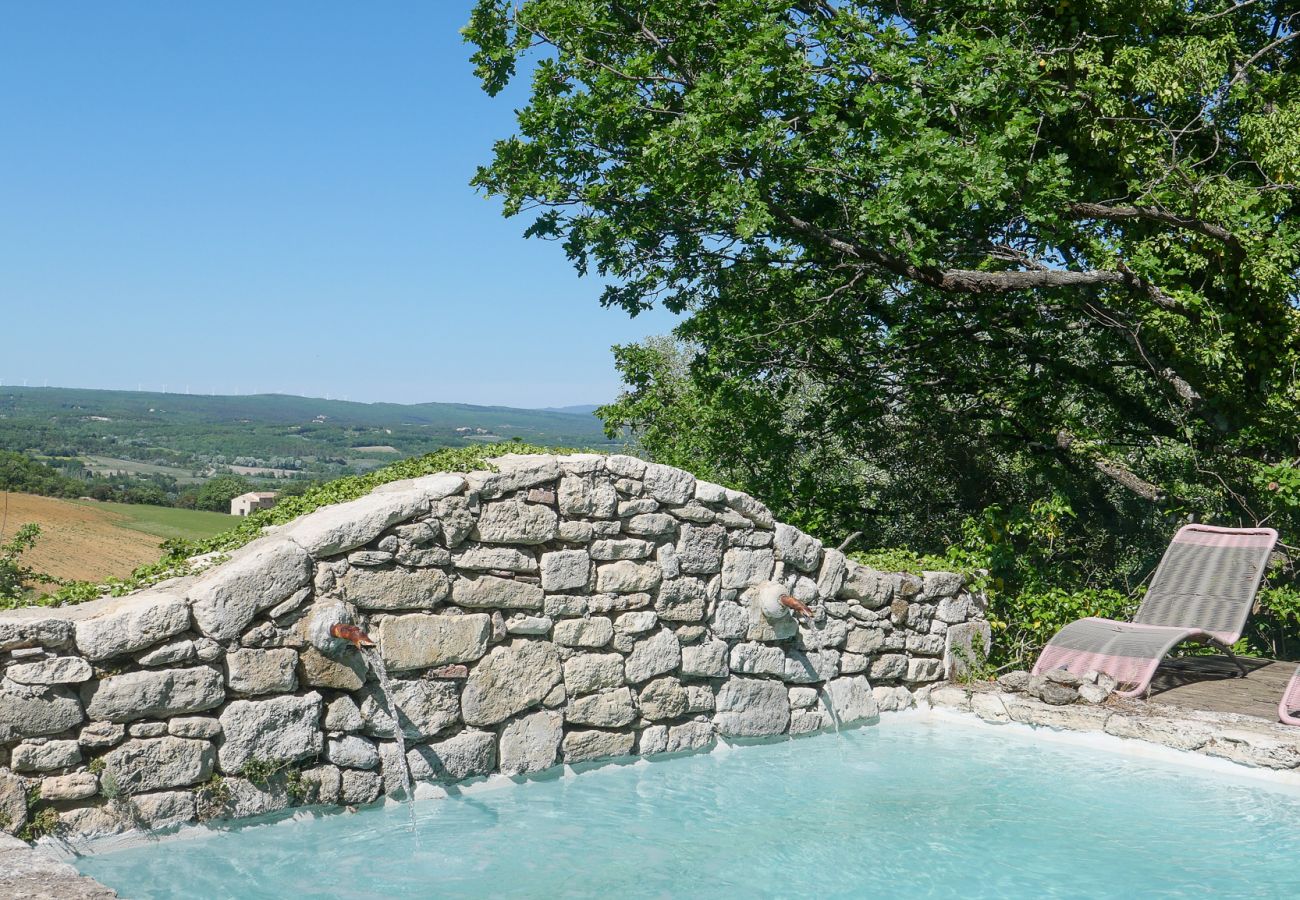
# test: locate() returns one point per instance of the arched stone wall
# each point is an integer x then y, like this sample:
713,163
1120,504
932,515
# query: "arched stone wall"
556,610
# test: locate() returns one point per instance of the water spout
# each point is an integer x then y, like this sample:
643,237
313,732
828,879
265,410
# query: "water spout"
352,634
376,662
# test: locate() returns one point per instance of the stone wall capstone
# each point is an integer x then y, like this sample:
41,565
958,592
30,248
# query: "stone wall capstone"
561,609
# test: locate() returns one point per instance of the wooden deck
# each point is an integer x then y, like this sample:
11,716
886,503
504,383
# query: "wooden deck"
1213,683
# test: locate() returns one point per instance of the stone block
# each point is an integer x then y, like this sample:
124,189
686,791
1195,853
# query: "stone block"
154,694
491,591
391,587
263,574
583,746
421,641
609,709
281,728
254,672
531,744
509,680
565,570
752,707
509,522
132,623
590,633
153,764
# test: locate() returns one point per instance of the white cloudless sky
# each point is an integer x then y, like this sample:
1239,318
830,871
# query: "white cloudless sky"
239,196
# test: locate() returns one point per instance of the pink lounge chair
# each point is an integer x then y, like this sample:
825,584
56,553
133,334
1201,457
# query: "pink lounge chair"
1289,709
1202,590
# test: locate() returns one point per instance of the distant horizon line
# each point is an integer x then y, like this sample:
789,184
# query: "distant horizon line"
140,389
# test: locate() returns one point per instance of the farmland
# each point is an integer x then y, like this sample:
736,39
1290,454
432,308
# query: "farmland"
85,540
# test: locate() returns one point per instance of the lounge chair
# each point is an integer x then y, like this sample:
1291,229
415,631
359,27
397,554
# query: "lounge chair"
1289,709
1203,590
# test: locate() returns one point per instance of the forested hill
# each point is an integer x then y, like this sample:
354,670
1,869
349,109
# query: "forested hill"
276,431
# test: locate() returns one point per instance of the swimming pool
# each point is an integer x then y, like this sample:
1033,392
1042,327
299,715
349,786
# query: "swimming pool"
915,807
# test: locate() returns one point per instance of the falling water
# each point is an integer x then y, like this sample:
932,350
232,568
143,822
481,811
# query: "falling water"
819,639
377,666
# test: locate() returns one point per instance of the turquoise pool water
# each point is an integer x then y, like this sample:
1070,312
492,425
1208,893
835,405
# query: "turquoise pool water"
911,808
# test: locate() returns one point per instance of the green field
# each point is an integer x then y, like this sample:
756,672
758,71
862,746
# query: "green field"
165,521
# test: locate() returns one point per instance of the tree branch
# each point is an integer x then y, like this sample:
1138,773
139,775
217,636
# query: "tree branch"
973,281
1150,213
1115,471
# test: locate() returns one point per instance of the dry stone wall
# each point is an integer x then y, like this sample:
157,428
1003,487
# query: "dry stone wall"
556,610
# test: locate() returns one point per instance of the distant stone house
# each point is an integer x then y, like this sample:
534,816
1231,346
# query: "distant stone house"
252,501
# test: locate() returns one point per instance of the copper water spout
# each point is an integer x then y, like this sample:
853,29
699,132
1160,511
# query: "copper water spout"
352,634
796,605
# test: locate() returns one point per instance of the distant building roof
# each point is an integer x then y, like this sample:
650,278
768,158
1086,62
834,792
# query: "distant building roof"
258,495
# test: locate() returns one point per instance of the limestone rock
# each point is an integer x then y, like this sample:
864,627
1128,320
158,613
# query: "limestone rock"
834,569
663,698
77,786
627,577
636,622
178,652
395,588
509,522
757,659
591,633
261,671
263,574
204,727
742,568
889,666
729,621
516,471
851,699
165,809
869,587
347,673
281,728
45,757
424,708
751,707
530,744
34,627
344,526
707,659
565,570
587,497
486,558
153,764
681,600
98,735
422,641
491,591
582,746
509,680
689,737
132,623
352,752
812,666
588,672
359,788
13,803
342,714
628,548
610,709
467,754
798,549
653,656
154,694
650,525
58,670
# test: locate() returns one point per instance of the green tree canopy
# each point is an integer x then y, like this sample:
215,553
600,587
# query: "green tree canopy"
1065,231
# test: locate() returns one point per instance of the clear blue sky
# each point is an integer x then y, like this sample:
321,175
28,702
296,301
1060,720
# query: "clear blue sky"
253,196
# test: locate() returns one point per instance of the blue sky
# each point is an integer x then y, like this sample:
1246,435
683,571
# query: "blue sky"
243,196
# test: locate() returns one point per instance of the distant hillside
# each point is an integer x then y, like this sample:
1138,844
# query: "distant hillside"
191,436
582,409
